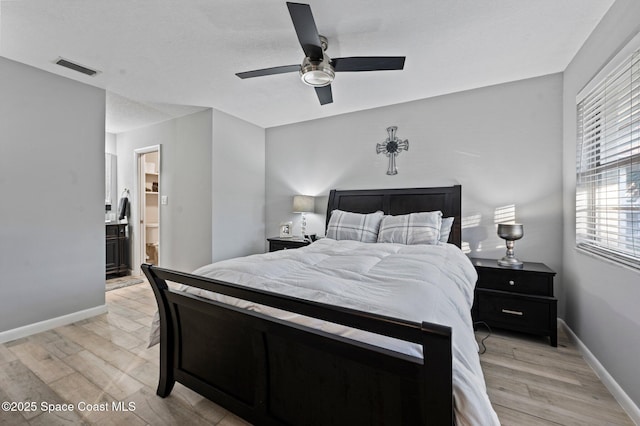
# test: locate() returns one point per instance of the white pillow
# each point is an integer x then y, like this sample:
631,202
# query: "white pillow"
413,228
445,229
354,226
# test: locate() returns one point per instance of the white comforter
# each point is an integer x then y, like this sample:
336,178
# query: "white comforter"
418,283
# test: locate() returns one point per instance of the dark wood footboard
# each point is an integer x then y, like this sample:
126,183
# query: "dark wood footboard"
270,371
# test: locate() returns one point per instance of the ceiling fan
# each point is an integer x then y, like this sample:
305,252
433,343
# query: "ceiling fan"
317,69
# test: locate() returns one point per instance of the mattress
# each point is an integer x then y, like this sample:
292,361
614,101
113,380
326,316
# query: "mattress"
432,283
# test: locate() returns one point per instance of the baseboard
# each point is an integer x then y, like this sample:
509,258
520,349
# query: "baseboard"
618,393
38,327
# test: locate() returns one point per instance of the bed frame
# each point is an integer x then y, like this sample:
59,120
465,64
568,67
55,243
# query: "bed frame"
272,372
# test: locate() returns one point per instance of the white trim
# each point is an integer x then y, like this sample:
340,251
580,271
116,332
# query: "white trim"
618,393
612,63
38,327
138,241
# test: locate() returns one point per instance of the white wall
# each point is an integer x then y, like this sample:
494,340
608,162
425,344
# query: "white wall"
502,143
238,187
52,251
185,178
601,299
110,143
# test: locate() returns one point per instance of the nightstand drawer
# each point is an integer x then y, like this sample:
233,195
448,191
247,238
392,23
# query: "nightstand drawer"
276,244
521,313
515,281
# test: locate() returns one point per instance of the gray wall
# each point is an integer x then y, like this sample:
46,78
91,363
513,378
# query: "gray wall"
502,143
212,170
601,299
52,252
185,177
238,187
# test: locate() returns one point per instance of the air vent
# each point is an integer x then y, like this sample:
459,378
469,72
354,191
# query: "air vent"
68,64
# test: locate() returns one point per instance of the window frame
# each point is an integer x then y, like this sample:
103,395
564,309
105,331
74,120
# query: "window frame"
600,164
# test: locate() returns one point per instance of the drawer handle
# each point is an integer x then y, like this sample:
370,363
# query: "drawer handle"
511,282
509,311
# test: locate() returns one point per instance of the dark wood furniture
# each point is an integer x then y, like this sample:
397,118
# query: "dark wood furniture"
403,201
276,243
117,258
516,299
271,372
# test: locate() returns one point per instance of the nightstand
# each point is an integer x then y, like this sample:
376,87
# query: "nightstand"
516,299
276,243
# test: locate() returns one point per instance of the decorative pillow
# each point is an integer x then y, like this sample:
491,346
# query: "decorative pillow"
445,229
354,226
413,228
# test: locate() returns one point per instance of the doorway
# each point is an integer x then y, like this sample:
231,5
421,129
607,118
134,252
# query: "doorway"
147,243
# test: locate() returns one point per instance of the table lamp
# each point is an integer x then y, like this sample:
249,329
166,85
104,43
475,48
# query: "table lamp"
510,232
303,204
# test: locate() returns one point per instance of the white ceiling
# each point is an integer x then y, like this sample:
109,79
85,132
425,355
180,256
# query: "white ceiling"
164,58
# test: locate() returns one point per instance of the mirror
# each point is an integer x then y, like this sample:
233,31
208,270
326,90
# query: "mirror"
110,188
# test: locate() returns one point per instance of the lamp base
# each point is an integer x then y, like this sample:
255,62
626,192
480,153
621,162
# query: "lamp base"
510,262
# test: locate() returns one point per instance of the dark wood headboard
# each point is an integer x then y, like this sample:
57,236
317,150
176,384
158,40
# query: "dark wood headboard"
402,201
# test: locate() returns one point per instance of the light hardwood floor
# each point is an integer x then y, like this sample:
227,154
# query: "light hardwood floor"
105,359
531,383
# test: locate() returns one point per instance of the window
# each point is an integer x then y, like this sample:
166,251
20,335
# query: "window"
608,163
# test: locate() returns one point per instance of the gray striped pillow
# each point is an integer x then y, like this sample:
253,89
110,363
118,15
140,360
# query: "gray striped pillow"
354,226
445,229
413,228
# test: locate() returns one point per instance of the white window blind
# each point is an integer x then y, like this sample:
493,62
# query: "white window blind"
608,165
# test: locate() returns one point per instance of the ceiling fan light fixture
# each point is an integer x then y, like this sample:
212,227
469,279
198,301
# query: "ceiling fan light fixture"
317,69
317,73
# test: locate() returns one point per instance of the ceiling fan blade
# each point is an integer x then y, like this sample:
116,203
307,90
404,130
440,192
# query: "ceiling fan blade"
269,71
368,63
306,30
324,94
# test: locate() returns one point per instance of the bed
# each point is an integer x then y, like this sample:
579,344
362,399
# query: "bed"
269,357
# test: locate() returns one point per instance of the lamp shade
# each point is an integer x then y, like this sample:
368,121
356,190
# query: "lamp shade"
508,231
303,204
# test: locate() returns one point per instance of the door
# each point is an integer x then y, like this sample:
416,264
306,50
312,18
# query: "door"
148,205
